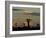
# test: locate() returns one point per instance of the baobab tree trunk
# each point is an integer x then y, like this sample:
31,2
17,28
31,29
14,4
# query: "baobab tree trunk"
28,20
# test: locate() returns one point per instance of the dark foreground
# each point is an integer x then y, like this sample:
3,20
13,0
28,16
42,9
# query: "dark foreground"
25,28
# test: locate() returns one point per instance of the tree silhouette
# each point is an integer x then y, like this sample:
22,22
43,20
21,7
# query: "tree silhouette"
28,20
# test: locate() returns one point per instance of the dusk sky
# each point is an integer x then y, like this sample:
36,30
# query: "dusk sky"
21,14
